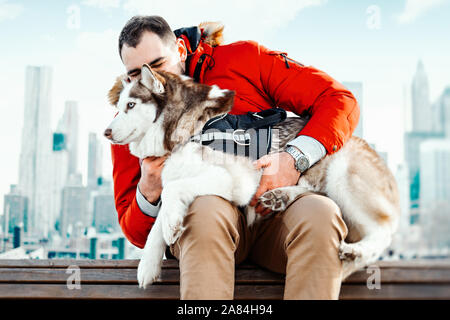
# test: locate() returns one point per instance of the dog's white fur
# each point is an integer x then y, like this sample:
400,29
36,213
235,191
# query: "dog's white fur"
193,170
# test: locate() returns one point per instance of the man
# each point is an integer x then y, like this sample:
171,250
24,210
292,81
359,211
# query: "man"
302,241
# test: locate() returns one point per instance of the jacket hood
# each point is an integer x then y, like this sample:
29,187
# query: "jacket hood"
210,33
200,41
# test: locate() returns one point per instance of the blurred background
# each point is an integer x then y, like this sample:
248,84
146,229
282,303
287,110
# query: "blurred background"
60,58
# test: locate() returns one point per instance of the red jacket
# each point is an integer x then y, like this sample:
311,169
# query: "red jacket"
261,78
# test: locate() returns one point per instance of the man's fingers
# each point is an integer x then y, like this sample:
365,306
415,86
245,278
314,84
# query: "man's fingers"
262,210
258,194
161,160
154,162
262,162
263,187
259,208
148,159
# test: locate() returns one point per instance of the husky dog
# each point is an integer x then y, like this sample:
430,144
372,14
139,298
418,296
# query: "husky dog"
160,111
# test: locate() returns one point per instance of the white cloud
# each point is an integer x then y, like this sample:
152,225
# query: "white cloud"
415,8
243,20
9,10
102,4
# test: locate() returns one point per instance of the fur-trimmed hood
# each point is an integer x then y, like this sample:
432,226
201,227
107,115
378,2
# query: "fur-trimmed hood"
212,33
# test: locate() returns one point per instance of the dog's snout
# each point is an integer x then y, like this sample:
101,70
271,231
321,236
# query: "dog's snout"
108,133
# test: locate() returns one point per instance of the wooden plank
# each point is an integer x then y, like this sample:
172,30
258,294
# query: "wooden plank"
171,263
93,264
396,291
56,275
40,275
64,263
242,292
400,275
60,292
87,291
169,275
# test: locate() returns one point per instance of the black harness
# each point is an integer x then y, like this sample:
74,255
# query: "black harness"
247,135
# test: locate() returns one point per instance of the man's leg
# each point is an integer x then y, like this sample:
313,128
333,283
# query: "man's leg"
214,239
303,242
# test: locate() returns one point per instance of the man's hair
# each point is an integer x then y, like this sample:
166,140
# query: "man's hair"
131,33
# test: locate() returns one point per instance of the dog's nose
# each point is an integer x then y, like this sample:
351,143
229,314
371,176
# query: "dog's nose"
108,133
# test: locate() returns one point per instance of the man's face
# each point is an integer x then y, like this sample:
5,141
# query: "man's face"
158,54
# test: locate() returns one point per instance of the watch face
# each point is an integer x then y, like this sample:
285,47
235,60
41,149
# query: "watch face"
302,164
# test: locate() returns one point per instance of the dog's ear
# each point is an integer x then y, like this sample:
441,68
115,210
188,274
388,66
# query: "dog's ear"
223,100
114,92
151,80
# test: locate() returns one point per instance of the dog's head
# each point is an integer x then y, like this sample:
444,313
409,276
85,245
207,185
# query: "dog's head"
162,108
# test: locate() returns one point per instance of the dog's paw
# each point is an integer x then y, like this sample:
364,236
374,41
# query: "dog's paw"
349,251
172,227
275,200
148,271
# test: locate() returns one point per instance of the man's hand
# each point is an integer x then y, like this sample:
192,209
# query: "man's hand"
150,183
279,171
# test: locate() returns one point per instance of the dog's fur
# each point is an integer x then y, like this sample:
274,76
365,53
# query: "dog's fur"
166,110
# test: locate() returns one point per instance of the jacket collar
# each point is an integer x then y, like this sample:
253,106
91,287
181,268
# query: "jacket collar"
199,61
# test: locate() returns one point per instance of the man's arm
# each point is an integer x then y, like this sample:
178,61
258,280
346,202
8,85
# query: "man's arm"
297,88
135,224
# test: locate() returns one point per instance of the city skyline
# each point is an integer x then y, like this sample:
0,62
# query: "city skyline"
90,204
395,61
78,39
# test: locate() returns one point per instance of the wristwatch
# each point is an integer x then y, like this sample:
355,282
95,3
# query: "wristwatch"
301,160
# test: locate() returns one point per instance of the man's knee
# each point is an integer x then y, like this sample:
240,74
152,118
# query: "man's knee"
319,216
211,216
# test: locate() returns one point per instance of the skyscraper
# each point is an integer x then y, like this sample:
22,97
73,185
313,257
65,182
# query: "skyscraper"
434,172
68,125
357,89
74,202
446,111
15,211
413,141
105,215
94,161
435,194
441,113
59,175
36,148
422,117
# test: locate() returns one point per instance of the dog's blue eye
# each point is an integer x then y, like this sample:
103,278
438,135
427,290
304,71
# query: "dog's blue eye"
130,105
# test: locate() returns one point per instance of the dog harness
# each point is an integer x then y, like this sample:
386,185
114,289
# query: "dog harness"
247,135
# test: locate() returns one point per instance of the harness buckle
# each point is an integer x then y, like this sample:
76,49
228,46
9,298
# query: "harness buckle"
243,133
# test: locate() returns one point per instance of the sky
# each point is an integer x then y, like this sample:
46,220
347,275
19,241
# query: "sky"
378,43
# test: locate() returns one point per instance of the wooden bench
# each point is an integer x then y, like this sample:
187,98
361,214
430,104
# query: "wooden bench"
116,279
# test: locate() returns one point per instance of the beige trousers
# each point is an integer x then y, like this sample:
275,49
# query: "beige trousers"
301,242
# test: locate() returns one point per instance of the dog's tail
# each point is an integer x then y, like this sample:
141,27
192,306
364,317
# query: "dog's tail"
213,32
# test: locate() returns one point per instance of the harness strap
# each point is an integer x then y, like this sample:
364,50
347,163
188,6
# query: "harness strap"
267,120
236,136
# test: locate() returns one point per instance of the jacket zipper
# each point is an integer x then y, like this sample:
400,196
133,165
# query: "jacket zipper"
284,55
